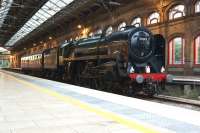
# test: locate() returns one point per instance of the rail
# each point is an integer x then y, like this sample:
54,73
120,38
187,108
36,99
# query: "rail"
185,80
178,100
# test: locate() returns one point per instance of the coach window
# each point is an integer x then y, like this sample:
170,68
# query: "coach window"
197,7
197,50
98,32
176,51
109,30
154,18
77,38
122,26
91,34
177,12
137,22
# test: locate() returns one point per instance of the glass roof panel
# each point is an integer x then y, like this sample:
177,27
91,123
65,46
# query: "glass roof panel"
67,1
52,6
31,25
41,16
2,11
45,14
33,22
4,8
48,10
37,19
61,4
27,28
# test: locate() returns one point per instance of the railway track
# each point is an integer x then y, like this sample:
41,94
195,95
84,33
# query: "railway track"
175,101
178,100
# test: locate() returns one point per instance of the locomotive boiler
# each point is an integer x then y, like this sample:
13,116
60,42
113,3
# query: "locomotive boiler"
129,62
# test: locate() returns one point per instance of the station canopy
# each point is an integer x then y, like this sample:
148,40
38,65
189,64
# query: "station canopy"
3,50
22,22
48,10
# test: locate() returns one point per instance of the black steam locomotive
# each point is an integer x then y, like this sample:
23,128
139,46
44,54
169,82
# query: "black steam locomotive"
130,61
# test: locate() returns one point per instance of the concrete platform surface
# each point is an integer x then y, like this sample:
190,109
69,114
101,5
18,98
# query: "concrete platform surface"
33,105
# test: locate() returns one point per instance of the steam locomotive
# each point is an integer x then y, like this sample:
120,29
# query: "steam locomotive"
127,62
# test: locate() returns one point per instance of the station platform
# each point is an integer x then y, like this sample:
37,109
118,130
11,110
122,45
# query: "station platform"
33,105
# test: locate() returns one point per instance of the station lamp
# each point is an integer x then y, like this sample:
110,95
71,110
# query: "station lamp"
79,26
11,56
85,32
50,38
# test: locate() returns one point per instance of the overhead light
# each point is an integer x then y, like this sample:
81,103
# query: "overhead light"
24,48
114,3
79,26
50,38
34,44
85,32
22,6
41,42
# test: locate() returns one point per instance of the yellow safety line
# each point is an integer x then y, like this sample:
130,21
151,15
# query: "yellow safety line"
129,123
